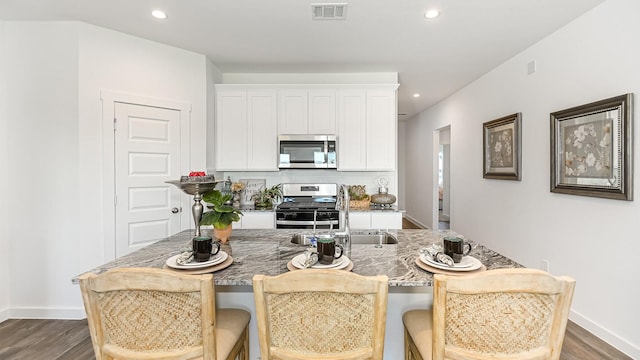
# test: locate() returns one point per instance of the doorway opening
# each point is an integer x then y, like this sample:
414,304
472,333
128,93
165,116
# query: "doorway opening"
444,178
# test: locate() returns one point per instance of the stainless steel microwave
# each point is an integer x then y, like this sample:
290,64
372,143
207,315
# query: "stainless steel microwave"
307,152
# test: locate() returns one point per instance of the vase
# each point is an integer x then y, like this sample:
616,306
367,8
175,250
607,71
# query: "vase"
236,200
223,234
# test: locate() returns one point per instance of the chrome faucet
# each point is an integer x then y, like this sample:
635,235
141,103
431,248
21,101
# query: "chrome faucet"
344,204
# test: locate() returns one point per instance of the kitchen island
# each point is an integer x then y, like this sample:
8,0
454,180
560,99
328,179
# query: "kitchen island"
269,251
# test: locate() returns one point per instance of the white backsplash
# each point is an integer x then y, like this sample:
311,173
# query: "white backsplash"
367,178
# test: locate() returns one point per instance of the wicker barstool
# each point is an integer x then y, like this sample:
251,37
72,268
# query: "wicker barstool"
143,313
499,314
321,314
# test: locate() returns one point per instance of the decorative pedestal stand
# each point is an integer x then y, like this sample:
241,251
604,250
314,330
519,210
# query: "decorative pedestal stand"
196,189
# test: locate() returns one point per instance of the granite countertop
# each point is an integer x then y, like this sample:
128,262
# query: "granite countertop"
268,251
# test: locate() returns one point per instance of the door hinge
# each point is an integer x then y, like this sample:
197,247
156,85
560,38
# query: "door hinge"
115,200
115,124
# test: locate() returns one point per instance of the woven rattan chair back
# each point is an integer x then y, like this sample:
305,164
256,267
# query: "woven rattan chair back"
321,314
136,313
512,313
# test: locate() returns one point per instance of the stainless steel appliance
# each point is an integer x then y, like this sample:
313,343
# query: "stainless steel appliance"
307,152
304,205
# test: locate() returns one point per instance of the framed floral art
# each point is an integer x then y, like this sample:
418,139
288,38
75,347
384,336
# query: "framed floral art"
592,149
502,149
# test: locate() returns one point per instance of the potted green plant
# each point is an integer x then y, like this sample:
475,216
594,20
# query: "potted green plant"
265,198
221,216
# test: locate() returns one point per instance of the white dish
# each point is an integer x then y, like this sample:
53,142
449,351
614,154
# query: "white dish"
341,263
468,263
216,259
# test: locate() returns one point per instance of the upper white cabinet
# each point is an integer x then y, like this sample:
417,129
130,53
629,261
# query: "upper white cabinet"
249,119
246,129
367,129
307,111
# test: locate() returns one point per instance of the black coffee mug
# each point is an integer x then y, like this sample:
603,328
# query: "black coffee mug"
327,250
202,248
456,248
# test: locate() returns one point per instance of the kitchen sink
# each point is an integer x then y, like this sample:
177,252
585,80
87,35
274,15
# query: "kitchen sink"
357,237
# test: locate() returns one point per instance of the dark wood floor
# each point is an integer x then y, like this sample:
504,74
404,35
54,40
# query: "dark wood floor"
69,340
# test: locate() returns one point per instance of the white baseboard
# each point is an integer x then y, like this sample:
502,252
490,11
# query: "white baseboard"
610,338
4,315
413,220
48,313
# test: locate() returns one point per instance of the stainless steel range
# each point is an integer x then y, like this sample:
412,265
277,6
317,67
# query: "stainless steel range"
304,205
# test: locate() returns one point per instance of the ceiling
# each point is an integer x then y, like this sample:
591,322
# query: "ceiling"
433,57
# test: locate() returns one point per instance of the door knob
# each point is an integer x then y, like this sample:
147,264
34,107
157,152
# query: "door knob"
175,210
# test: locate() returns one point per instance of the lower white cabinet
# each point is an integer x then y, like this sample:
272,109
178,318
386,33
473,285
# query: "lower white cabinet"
256,220
382,220
360,220
377,220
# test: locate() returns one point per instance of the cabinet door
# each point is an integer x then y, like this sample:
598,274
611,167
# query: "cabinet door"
231,130
292,112
322,112
390,220
262,132
352,130
259,220
360,220
381,130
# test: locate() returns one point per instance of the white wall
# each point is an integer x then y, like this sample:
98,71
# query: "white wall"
42,105
112,61
402,163
593,240
55,72
4,189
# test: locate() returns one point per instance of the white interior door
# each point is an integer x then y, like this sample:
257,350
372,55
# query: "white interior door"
147,153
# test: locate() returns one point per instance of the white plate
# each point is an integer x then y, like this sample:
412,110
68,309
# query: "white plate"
468,263
343,262
216,259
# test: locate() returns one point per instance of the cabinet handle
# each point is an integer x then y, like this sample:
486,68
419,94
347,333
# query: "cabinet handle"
175,210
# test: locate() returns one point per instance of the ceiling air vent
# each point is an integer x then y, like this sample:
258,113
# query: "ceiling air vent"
334,11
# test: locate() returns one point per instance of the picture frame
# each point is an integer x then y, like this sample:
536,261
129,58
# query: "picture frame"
502,148
592,149
251,186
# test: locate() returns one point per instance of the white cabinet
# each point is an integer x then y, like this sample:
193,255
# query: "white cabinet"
352,130
293,112
367,129
386,220
322,112
359,220
256,220
305,111
246,129
376,220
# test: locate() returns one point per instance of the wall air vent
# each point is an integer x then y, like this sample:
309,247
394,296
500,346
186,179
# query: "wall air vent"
334,11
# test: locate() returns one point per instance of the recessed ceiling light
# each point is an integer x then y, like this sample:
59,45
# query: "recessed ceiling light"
416,95
159,14
432,14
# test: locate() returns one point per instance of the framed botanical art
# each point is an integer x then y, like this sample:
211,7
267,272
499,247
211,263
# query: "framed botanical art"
592,149
502,151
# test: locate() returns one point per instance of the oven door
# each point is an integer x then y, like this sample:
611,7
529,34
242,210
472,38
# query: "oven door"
303,219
